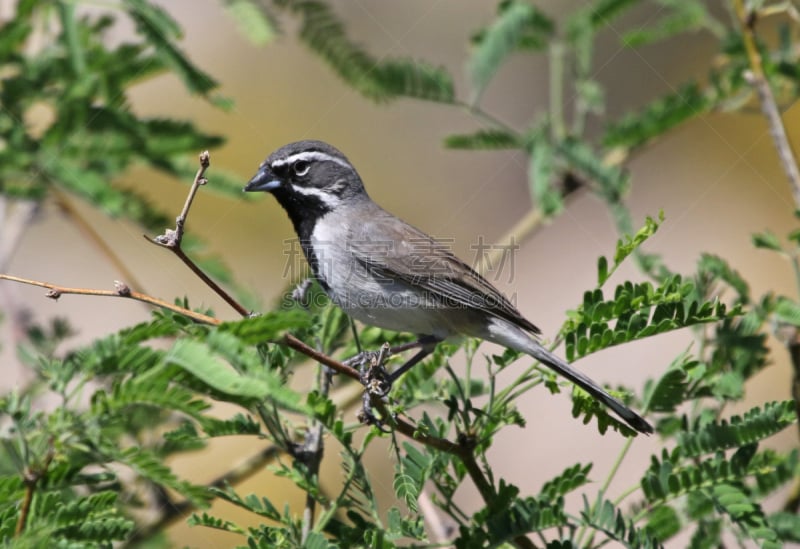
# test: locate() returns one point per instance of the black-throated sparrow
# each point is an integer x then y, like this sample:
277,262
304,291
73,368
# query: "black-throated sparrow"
386,273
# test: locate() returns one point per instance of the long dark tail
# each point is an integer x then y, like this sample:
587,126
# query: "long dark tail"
549,359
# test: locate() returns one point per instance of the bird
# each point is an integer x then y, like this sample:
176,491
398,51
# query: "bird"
387,273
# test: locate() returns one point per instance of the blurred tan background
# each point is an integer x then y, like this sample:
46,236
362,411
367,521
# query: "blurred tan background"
717,179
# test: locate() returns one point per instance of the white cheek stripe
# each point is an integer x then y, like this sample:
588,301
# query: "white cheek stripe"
310,155
326,197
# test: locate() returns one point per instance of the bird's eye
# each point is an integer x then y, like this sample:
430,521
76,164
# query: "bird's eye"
301,167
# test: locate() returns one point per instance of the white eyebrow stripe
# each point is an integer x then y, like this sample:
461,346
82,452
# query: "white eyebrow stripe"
310,155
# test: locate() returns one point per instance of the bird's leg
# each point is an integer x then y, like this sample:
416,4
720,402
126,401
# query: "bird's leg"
376,382
374,377
427,344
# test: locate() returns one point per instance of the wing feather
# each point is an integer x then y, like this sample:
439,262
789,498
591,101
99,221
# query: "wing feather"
398,250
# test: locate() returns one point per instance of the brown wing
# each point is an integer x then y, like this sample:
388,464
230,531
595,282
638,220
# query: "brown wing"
397,250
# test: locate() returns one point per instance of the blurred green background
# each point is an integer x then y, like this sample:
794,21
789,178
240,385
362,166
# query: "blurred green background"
717,179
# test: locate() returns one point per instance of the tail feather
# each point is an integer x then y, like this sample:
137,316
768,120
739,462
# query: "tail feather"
562,368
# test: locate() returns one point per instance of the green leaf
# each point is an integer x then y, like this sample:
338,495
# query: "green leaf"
147,391
707,535
253,20
602,12
609,520
325,34
540,177
607,180
490,139
159,28
150,466
681,17
787,311
266,327
746,513
639,311
756,424
518,24
411,473
571,479
715,268
669,478
663,522
629,244
661,115
767,240
260,506
587,407
786,524
209,521
602,270
671,389
200,360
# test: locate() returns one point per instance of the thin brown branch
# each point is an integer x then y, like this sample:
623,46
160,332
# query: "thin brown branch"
172,238
769,107
290,341
121,290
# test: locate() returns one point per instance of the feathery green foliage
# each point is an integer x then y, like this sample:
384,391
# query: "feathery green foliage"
132,399
519,25
378,80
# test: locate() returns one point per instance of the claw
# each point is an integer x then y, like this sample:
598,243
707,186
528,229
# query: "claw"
375,379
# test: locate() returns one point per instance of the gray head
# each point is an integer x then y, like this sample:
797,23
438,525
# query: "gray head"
309,179
308,171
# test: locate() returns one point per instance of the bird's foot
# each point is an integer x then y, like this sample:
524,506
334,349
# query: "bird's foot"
376,381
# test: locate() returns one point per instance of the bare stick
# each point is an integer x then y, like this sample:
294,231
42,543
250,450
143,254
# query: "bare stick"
769,106
122,290
171,239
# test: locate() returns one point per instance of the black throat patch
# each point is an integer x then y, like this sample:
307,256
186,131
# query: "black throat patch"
304,211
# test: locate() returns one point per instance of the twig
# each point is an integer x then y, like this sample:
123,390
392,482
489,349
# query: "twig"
769,107
121,290
757,78
31,479
313,450
290,341
171,239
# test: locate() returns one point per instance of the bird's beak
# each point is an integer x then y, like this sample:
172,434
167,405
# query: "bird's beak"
264,180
